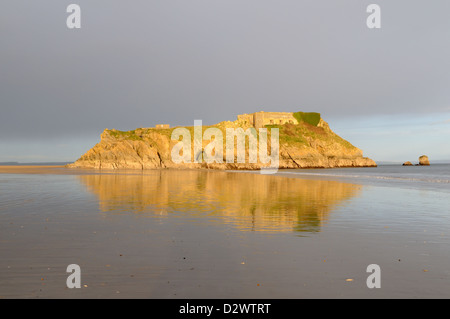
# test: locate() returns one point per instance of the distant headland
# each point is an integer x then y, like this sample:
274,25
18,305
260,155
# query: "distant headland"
303,140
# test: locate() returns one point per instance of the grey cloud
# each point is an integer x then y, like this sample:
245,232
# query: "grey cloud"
136,64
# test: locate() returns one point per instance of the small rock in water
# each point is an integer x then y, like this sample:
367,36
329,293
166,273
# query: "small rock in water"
424,161
407,164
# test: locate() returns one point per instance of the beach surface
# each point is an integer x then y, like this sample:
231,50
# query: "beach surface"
220,234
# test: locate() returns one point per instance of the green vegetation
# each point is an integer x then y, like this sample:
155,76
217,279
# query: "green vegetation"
129,135
312,118
289,134
297,135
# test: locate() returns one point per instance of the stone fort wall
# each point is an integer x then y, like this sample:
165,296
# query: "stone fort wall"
260,119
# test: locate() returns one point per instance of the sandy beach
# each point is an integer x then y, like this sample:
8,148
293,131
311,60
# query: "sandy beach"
211,234
32,169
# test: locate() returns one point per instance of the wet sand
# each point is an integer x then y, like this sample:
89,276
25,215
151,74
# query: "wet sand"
31,169
210,234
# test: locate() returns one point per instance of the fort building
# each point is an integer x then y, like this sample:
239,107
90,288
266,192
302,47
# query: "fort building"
260,119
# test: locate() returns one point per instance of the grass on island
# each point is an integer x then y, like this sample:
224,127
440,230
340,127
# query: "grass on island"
289,134
129,135
312,118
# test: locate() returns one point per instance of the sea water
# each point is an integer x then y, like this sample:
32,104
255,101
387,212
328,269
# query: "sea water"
214,234
435,177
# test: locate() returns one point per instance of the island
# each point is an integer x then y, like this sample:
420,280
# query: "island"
305,140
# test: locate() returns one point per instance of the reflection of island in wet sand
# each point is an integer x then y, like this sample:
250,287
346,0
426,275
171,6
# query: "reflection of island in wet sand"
246,200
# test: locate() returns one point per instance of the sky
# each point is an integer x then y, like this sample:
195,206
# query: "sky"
143,62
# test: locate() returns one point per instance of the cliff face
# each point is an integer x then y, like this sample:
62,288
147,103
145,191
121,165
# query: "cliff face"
300,146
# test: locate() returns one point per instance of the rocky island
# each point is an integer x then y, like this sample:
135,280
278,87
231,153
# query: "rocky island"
305,141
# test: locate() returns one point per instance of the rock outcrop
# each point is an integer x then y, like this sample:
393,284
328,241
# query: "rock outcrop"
424,161
407,164
300,146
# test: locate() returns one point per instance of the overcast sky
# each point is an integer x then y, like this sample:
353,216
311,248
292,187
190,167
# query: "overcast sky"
142,62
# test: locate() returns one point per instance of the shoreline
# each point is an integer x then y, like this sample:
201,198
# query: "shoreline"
384,175
64,170
16,168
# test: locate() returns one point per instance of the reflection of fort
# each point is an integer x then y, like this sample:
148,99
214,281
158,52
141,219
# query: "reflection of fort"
248,201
